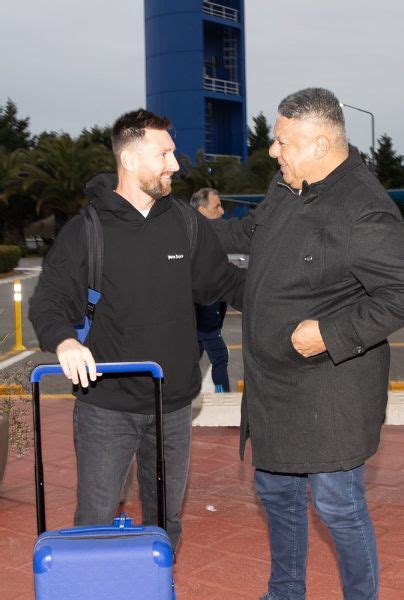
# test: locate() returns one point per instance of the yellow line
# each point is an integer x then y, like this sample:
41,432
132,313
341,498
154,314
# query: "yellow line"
234,347
11,353
8,354
396,385
43,396
233,313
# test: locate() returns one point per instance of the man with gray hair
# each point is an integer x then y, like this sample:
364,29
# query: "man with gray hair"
325,288
209,318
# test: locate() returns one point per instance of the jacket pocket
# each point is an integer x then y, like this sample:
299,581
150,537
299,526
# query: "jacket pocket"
325,256
314,257
291,352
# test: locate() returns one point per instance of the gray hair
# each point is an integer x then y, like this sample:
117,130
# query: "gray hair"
316,103
201,197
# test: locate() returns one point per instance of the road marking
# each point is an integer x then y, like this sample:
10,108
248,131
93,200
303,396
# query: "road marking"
65,396
18,276
234,347
396,344
396,385
16,358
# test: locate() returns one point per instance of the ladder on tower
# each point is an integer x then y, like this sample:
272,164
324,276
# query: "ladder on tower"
230,54
208,127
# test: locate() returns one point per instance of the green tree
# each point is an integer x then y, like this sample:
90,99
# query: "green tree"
259,137
97,135
56,170
14,132
226,174
17,208
260,169
389,164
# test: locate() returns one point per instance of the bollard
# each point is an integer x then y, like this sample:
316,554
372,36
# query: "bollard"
18,346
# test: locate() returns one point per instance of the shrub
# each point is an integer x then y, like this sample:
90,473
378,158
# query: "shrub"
9,258
15,405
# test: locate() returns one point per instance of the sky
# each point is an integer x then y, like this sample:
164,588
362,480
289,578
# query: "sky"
78,63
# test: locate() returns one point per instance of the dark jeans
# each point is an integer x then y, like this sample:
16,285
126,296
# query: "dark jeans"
218,355
339,500
106,442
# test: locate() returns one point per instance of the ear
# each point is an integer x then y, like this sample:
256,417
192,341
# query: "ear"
128,160
322,146
202,210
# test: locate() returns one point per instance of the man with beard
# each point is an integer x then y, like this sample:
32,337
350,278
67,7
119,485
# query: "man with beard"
153,272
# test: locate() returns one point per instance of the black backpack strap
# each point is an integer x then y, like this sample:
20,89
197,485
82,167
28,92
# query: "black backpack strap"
191,221
95,245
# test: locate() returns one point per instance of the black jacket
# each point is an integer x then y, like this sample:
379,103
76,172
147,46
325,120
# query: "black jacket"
336,254
149,287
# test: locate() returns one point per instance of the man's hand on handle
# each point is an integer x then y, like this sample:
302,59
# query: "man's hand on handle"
73,358
307,339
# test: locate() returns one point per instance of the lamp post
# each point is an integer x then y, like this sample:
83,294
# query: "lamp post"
372,149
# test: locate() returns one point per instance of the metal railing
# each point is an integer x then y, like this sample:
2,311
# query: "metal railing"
218,10
223,86
209,156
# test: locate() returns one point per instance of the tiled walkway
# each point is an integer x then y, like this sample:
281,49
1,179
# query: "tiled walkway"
224,554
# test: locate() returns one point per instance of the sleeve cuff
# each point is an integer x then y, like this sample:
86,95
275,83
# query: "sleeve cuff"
52,339
340,347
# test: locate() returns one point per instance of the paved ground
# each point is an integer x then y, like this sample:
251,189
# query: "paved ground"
224,553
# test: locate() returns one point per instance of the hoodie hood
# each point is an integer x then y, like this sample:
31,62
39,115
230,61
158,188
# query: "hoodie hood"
100,190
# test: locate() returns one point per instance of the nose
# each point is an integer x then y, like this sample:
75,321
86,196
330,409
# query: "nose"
274,149
173,164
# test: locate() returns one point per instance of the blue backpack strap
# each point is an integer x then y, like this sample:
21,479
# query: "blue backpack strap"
95,246
191,221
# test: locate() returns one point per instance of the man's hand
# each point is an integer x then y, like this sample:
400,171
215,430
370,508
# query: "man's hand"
307,340
73,358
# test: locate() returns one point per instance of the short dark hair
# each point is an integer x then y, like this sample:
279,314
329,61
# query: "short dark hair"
201,197
313,102
131,126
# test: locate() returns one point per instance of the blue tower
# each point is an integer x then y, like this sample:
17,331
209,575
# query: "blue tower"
195,73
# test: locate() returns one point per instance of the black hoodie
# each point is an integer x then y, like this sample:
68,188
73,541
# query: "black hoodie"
149,286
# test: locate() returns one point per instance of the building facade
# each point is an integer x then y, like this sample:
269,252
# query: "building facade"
195,73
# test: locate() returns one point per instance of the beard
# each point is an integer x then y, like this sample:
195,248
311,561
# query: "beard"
156,187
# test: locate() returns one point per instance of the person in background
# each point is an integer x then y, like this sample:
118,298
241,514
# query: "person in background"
325,288
209,319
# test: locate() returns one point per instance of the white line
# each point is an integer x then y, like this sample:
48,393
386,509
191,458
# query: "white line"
18,276
13,359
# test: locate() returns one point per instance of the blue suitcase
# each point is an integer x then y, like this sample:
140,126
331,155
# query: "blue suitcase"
113,562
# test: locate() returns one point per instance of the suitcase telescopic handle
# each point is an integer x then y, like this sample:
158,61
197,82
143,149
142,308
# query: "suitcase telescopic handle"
116,367
156,373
